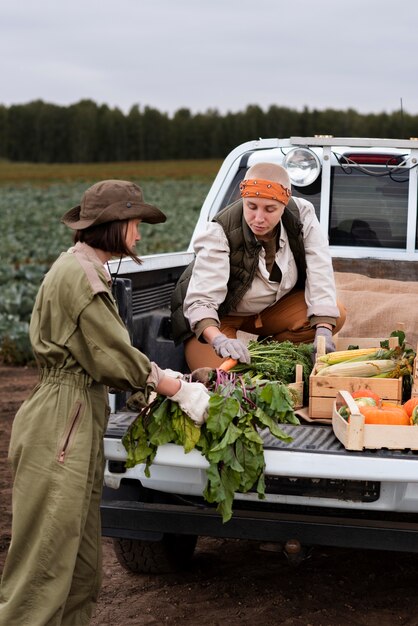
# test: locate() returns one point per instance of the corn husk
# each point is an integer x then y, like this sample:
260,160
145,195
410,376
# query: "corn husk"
359,369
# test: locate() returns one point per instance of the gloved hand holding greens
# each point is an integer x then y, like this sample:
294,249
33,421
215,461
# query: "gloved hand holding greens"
229,439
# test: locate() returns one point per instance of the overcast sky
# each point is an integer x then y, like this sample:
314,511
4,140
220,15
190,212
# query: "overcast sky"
211,54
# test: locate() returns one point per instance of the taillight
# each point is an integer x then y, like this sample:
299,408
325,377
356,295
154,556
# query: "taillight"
371,158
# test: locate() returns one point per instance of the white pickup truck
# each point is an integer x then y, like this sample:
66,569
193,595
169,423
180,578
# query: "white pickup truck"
317,493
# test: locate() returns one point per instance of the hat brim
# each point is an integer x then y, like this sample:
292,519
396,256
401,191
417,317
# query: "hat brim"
147,213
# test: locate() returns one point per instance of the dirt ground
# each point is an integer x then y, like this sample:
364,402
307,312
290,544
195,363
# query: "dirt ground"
236,582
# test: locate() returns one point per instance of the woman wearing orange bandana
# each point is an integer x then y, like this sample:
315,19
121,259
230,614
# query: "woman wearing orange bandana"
263,266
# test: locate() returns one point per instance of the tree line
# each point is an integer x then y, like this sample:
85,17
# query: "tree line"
85,132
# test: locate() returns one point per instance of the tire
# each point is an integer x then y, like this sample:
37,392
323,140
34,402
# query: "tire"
171,554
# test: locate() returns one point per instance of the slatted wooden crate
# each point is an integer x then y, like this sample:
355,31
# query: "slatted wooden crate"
323,389
297,387
356,435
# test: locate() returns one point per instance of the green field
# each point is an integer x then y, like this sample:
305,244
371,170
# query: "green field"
34,197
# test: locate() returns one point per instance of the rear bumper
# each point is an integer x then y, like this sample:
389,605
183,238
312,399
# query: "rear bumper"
137,520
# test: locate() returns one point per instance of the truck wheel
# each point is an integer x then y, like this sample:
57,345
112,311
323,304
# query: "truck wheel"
172,553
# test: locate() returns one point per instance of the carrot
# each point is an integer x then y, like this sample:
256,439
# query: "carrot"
228,365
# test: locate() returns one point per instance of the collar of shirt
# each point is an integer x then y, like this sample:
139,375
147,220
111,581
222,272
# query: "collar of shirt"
90,253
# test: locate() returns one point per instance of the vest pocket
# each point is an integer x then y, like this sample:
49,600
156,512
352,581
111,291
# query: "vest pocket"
68,437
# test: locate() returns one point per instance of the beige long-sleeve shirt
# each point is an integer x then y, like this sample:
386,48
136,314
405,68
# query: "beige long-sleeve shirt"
208,285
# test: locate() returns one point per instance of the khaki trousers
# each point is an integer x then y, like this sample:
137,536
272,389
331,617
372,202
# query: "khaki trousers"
284,321
52,573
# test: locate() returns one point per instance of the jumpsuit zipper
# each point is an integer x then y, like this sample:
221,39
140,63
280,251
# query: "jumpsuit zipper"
69,435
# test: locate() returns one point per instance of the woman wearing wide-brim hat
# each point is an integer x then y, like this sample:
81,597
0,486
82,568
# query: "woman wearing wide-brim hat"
52,573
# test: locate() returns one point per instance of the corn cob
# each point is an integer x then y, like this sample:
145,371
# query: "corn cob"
361,369
344,355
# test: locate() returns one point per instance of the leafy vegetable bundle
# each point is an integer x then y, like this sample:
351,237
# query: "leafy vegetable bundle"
239,407
277,360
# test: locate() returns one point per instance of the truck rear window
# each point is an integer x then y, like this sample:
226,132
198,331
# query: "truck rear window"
368,210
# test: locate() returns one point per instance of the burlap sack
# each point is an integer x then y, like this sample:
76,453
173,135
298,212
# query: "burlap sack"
376,307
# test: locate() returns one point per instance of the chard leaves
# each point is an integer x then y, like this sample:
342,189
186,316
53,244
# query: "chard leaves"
239,407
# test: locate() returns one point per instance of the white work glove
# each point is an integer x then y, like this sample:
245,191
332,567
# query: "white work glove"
157,374
226,347
172,373
329,344
193,399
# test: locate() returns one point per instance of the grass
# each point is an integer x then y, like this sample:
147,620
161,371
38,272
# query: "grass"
43,173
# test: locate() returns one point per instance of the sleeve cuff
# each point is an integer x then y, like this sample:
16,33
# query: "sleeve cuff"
322,319
202,324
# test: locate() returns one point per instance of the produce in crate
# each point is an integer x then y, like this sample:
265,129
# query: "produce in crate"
389,428
414,416
366,393
383,362
385,413
410,405
376,411
346,355
362,369
362,397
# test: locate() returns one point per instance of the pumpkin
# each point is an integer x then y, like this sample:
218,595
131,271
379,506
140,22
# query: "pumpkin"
414,416
386,413
366,393
409,405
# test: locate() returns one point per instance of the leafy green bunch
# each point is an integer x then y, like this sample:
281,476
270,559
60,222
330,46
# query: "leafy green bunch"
277,360
239,408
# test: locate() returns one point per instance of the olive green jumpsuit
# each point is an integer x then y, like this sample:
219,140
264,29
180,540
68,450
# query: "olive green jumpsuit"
52,573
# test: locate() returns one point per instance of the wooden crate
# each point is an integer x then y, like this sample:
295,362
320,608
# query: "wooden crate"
297,387
323,389
357,435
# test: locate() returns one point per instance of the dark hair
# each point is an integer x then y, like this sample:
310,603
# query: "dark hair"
109,237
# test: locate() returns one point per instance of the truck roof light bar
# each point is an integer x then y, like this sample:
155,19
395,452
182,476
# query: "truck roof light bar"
372,158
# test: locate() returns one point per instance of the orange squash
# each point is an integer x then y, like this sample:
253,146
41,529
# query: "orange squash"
387,413
409,405
366,393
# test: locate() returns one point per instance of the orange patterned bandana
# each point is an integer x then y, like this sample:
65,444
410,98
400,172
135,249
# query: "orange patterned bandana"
260,188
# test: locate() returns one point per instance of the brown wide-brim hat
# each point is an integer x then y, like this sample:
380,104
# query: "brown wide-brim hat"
111,200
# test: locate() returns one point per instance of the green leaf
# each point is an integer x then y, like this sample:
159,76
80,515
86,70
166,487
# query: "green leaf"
252,435
136,444
252,462
231,434
187,433
261,486
221,412
230,480
227,456
400,335
277,397
214,491
271,424
161,432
